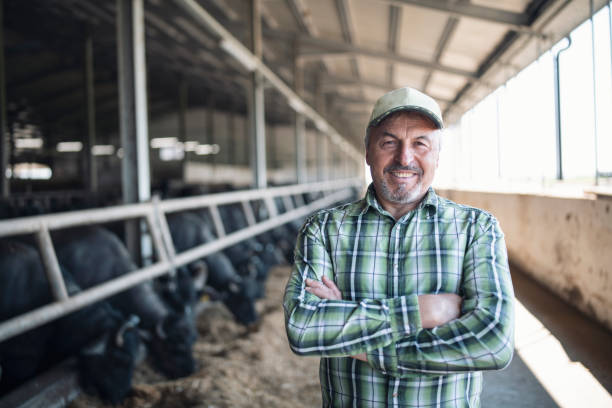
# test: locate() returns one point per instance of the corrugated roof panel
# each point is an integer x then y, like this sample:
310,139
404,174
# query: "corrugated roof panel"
420,30
325,18
445,86
408,75
372,69
281,13
339,66
471,43
517,6
350,92
371,23
372,94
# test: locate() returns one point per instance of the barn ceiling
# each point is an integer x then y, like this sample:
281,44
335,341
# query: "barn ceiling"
352,51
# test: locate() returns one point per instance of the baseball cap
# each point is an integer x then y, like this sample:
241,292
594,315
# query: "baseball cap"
408,99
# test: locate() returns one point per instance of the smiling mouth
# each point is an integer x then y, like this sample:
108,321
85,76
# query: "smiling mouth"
402,174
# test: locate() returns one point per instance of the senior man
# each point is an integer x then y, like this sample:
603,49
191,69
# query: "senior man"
405,295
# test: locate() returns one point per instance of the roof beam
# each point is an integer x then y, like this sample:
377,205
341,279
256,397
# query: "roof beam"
449,29
332,82
395,21
490,14
325,48
302,17
344,16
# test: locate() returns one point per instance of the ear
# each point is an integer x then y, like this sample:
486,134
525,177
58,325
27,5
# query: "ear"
368,156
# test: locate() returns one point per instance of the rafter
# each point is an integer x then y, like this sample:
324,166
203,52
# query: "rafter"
303,18
395,20
347,29
314,48
490,14
449,29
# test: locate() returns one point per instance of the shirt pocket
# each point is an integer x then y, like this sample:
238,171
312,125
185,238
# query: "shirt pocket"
433,264
360,267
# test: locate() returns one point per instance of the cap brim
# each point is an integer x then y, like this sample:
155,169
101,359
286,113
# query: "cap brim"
410,108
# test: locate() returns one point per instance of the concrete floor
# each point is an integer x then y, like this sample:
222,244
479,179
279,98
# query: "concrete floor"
563,358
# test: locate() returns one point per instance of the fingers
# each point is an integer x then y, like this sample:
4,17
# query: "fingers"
362,357
330,284
324,290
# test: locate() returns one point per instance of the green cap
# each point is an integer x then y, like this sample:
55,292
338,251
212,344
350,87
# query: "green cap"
408,99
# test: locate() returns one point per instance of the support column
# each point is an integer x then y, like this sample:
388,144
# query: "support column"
321,137
594,72
273,152
133,125
300,122
183,96
325,154
557,89
257,125
4,140
90,105
232,139
209,126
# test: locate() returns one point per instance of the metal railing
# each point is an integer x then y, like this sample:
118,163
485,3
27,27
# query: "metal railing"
154,213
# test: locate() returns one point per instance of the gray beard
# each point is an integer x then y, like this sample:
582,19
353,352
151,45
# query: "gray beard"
401,195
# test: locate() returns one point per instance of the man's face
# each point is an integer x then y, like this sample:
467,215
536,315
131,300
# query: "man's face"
403,156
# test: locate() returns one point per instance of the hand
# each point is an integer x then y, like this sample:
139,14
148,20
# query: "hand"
326,289
436,310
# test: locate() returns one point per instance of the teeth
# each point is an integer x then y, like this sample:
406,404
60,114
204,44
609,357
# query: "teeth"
397,174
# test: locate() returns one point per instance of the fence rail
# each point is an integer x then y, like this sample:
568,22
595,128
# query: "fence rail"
154,213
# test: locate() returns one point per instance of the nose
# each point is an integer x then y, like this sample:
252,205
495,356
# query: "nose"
405,154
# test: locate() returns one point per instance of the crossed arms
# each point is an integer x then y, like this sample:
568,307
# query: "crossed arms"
409,333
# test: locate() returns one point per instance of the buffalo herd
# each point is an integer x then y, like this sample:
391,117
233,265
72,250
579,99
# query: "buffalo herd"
153,320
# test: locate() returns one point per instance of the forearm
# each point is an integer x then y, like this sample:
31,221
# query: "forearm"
482,338
338,328
477,341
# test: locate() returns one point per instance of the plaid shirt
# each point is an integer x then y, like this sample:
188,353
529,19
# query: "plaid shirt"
381,266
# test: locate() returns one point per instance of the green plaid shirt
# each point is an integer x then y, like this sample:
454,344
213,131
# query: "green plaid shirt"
381,265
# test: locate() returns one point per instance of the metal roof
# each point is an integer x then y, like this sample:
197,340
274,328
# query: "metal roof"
351,50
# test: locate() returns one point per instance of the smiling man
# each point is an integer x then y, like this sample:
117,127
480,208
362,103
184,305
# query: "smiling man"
405,295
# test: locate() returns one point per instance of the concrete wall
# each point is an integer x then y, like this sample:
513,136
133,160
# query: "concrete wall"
564,243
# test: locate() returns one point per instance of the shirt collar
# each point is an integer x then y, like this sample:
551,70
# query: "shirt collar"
429,203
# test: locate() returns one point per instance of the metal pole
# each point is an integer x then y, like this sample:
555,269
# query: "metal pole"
593,60
209,124
52,268
133,126
320,141
557,84
498,132
4,140
182,118
272,149
90,103
300,120
257,118
234,139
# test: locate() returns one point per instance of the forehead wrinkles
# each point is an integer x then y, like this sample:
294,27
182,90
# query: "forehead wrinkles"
404,124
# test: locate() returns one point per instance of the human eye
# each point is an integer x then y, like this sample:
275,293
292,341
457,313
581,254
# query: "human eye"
421,143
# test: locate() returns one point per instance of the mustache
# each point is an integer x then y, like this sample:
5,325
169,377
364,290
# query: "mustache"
395,167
